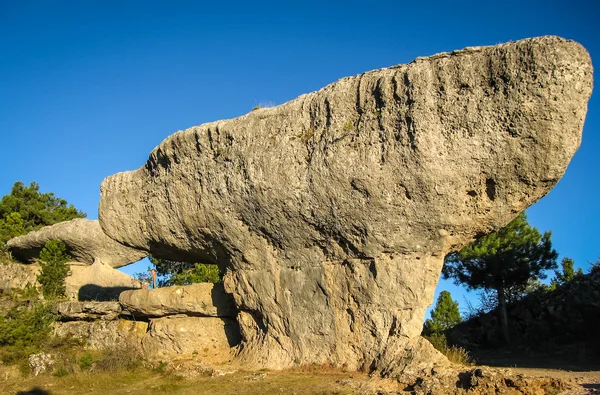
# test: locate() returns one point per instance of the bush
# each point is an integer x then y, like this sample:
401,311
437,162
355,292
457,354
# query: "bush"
53,261
25,330
86,361
454,354
118,359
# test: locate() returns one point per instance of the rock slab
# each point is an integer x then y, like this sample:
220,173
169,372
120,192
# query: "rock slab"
331,214
88,311
203,299
210,338
85,241
99,335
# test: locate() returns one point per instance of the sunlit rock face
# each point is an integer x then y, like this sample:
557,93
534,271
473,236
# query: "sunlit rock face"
332,213
85,241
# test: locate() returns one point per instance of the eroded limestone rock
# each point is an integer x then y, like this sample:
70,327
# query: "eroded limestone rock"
101,335
332,213
97,282
209,337
88,311
15,275
194,300
85,240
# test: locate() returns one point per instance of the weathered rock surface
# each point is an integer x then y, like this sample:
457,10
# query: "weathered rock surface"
88,311
41,363
100,335
332,213
210,337
193,300
14,275
97,282
85,240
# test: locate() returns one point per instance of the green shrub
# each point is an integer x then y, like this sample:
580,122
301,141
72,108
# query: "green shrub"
25,330
86,361
53,261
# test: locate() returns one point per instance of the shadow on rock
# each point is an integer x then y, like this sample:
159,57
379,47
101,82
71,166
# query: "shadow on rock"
93,292
34,391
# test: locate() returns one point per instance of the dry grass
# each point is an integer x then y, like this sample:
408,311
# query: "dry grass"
455,354
147,381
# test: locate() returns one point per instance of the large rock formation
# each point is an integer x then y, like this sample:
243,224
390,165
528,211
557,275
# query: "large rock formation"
332,213
85,241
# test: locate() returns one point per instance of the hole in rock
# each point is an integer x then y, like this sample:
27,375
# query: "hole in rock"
490,188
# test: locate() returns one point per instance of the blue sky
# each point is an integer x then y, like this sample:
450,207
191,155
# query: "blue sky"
89,88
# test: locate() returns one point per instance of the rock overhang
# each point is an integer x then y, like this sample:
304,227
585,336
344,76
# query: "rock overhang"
321,206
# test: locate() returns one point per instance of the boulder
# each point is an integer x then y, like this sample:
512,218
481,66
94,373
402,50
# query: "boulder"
97,282
85,240
88,311
15,275
209,337
331,214
99,335
41,363
193,300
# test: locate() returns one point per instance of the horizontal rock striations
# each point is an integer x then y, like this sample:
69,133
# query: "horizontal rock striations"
205,299
85,241
332,213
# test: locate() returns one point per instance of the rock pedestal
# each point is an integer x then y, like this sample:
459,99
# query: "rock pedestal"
332,213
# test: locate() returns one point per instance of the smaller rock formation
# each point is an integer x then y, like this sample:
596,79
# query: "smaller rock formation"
14,275
100,335
85,240
203,299
209,337
196,319
40,363
88,311
98,282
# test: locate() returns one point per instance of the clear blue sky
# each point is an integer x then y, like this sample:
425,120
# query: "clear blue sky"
89,88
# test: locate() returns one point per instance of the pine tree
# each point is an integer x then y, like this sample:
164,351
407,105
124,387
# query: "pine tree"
53,261
444,315
503,261
568,272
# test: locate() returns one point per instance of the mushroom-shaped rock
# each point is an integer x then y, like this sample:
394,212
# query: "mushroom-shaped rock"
85,240
333,213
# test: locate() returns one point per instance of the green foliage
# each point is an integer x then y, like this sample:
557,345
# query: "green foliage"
53,261
506,261
181,273
444,316
86,361
454,354
510,257
24,330
26,209
568,272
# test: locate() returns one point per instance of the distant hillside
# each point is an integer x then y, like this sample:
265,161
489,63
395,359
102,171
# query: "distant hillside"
543,321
